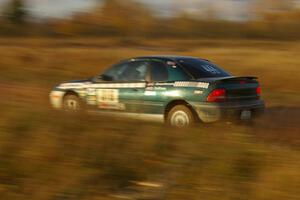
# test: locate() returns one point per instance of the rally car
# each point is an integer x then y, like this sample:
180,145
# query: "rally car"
179,90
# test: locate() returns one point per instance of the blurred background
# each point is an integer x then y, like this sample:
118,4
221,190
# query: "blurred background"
57,156
255,19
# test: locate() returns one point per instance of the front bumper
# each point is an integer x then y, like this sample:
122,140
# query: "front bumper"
211,112
56,99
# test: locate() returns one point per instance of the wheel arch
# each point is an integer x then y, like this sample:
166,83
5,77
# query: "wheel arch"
76,94
70,92
177,102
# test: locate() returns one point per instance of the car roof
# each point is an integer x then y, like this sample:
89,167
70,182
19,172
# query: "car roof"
166,57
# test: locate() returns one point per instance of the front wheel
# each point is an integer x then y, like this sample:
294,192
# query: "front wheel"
180,116
72,103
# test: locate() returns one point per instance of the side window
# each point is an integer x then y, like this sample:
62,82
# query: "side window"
135,71
176,73
128,71
116,71
159,71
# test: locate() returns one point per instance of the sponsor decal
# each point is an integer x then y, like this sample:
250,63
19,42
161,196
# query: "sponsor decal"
203,85
150,93
74,85
91,91
211,69
109,99
198,92
82,93
91,86
119,85
100,85
92,103
111,106
160,88
191,84
107,96
164,84
92,98
173,93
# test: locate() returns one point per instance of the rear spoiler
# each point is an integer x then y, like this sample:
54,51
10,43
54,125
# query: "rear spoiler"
240,77
237,78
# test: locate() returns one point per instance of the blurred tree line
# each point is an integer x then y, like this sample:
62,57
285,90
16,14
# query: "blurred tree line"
270,19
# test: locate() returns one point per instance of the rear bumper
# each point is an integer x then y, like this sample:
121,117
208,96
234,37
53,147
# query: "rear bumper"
211,112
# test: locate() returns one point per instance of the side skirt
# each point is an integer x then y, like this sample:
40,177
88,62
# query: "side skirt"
138,116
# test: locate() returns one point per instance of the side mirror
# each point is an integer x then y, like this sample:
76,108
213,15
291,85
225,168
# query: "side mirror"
102,77
105,77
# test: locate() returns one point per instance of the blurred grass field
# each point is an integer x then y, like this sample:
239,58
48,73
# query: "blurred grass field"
53,155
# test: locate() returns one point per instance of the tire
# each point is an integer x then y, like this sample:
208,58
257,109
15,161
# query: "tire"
72,103
180,116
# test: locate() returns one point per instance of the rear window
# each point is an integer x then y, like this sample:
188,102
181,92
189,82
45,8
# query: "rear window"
202,69
177,73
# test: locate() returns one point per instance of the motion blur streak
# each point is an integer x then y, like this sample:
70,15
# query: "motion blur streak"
47,154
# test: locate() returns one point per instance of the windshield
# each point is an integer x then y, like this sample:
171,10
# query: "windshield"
202,69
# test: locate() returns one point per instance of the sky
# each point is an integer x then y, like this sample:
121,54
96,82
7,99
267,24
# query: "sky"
228,9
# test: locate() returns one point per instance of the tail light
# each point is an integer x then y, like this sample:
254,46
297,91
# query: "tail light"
217,95
258,91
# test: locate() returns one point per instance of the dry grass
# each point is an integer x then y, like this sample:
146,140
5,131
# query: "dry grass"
50,155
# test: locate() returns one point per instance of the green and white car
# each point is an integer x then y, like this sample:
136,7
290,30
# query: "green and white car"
179,90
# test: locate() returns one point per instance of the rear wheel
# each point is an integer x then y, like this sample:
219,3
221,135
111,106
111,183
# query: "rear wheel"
72,103
180,116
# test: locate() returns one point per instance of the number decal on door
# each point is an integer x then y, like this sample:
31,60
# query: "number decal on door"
109,99
108,96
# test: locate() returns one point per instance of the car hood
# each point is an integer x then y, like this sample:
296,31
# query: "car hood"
74,84
79,81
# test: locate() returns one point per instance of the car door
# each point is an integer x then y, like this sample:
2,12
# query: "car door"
121,88
160,89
